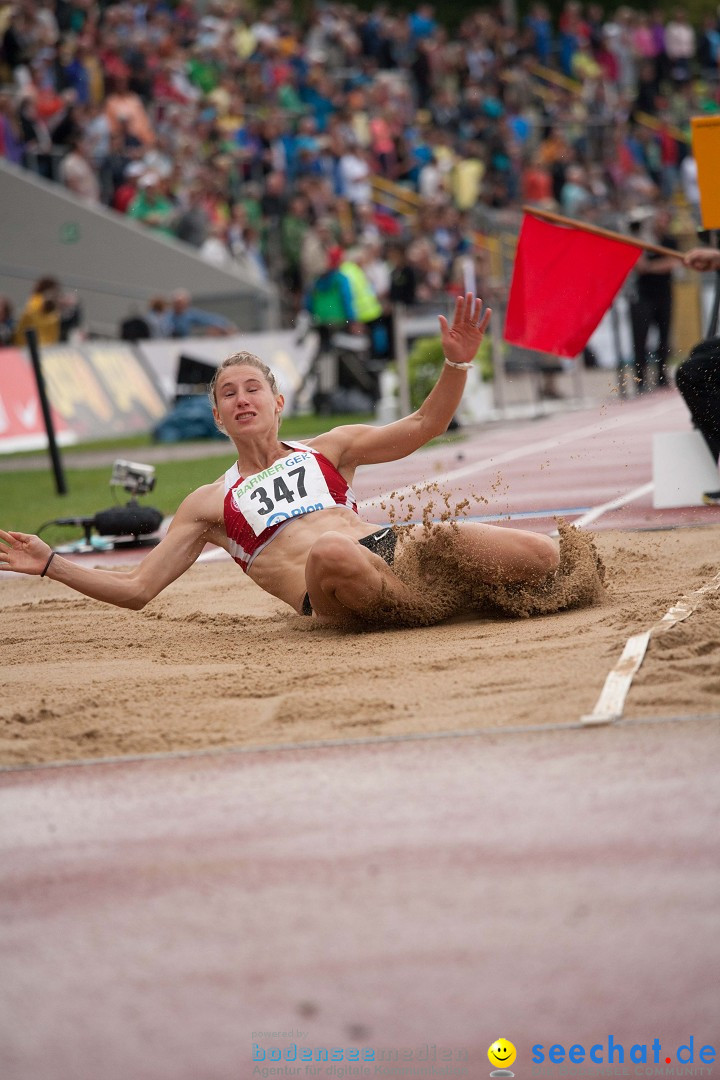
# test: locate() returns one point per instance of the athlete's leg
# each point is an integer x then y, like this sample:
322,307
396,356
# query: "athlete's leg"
343,577
510,570
450,568
491,553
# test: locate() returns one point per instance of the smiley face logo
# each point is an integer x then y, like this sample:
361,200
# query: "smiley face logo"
502,1053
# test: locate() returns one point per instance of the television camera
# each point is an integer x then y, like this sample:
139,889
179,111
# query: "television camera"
125,526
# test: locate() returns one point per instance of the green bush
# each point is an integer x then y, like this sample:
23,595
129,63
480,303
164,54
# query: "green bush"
425,364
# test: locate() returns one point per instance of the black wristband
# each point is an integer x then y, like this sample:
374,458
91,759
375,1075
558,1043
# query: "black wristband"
52,556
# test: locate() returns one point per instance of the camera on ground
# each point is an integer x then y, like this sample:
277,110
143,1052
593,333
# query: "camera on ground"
135,478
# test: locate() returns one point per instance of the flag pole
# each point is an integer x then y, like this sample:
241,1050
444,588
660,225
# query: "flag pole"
558,219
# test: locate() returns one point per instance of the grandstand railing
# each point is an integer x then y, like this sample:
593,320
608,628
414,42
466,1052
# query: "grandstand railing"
557,78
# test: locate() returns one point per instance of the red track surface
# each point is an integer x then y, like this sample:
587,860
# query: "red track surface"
564,462
553,887
546,887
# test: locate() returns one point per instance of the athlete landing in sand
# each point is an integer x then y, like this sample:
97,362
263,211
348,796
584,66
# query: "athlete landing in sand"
286,512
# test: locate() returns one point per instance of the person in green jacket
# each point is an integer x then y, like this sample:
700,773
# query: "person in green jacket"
330,299
329,302
152,207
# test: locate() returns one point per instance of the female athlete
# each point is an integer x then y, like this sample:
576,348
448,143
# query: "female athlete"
286,513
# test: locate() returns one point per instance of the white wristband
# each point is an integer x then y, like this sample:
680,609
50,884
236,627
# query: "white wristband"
460,367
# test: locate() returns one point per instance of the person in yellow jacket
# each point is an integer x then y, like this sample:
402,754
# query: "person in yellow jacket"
41,313
368,310
366,305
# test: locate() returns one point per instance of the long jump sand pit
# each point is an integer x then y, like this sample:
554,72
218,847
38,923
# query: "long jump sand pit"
214,662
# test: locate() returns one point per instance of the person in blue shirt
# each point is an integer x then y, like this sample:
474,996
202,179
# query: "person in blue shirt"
422,22
188,321
539,22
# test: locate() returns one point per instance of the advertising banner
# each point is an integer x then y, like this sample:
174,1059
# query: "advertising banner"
95,390
21,418
136,399
288,358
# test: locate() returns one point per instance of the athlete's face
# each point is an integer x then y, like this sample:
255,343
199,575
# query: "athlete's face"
245,401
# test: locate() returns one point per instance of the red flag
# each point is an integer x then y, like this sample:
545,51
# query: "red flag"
564,280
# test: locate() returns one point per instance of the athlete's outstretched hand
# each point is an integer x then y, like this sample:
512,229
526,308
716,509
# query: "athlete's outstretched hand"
23,553
462,339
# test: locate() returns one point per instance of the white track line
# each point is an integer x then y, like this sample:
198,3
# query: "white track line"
613,504
527,450
609,706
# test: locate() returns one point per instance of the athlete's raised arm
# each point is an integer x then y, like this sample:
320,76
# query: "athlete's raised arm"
190,530
362,444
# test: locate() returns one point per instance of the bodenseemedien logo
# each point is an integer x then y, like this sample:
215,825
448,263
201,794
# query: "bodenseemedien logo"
428,1059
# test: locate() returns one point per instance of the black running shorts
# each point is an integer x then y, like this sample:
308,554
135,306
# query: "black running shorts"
382,542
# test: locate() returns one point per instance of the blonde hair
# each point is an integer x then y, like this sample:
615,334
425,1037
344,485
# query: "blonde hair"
240,359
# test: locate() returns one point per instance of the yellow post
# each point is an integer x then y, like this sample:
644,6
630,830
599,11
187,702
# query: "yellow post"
687,315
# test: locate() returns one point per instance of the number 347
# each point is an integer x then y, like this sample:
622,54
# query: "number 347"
281,491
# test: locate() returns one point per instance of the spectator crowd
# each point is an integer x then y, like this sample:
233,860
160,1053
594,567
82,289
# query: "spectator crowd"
262,140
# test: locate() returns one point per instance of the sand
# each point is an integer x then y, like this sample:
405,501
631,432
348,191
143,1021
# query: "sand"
214,662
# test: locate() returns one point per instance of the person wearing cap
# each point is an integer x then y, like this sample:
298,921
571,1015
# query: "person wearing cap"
330,298
152,207
128,188
329,302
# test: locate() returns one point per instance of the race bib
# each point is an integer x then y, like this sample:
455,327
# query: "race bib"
289,488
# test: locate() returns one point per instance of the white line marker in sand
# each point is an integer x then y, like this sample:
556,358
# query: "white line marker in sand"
609,706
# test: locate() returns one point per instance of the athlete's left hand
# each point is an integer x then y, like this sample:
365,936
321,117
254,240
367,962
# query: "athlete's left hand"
462,340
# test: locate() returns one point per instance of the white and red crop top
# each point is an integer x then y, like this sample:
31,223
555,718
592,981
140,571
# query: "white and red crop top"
257,507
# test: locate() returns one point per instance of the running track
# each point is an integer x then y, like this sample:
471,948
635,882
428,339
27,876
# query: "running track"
546,887
571,463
